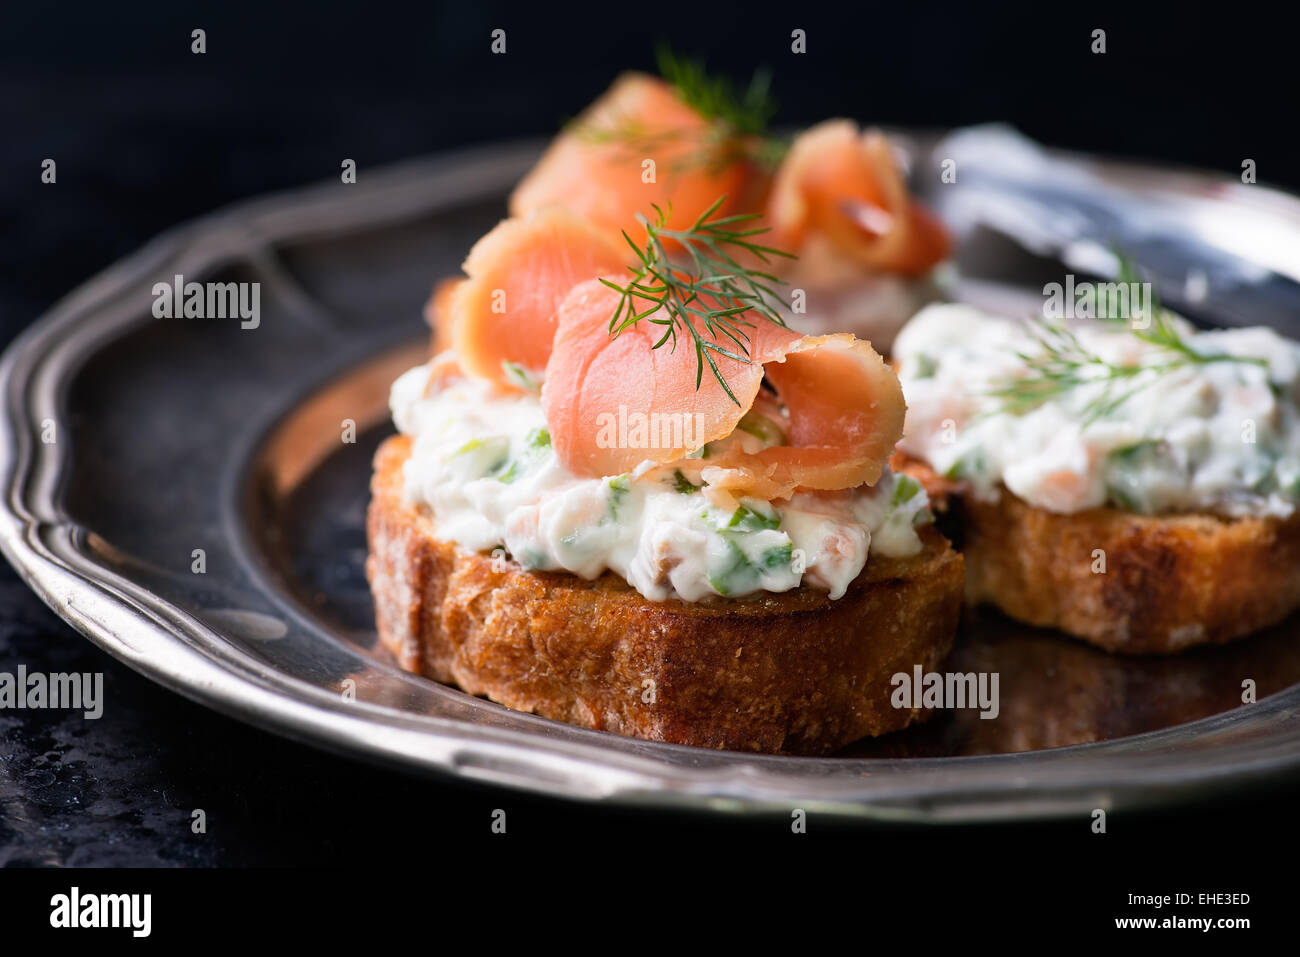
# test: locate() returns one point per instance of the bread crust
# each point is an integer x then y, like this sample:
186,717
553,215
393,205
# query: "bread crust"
794,673
1129,583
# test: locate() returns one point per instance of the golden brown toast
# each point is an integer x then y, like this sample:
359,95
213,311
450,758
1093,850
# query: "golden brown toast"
1135,584
794,673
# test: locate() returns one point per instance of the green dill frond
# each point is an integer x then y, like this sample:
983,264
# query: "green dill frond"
737,120
1062,363
704,294
744,113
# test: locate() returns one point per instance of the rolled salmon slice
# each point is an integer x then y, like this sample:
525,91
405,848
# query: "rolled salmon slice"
639,144
845,404
846,188
846,413
518,274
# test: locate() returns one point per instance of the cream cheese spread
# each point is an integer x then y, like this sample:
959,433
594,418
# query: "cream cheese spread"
482,461
1167,436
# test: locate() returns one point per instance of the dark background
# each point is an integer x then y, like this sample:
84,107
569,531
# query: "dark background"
147,134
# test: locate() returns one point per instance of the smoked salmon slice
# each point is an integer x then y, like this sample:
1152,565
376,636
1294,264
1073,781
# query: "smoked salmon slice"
503,315
639,144
845,187
838,196
537,298
845,404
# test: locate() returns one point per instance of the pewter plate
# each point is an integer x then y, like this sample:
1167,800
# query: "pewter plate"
176,435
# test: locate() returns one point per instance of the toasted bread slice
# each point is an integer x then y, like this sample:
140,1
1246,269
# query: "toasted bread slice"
1135,584
793,673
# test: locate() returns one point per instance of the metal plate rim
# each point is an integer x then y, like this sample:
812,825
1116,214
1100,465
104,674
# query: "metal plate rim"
165,644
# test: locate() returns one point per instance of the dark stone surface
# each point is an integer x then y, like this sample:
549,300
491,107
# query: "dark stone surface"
146,135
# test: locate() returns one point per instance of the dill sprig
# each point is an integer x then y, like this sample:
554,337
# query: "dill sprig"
737,119
744,113
704,292
1160,331
1062,362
